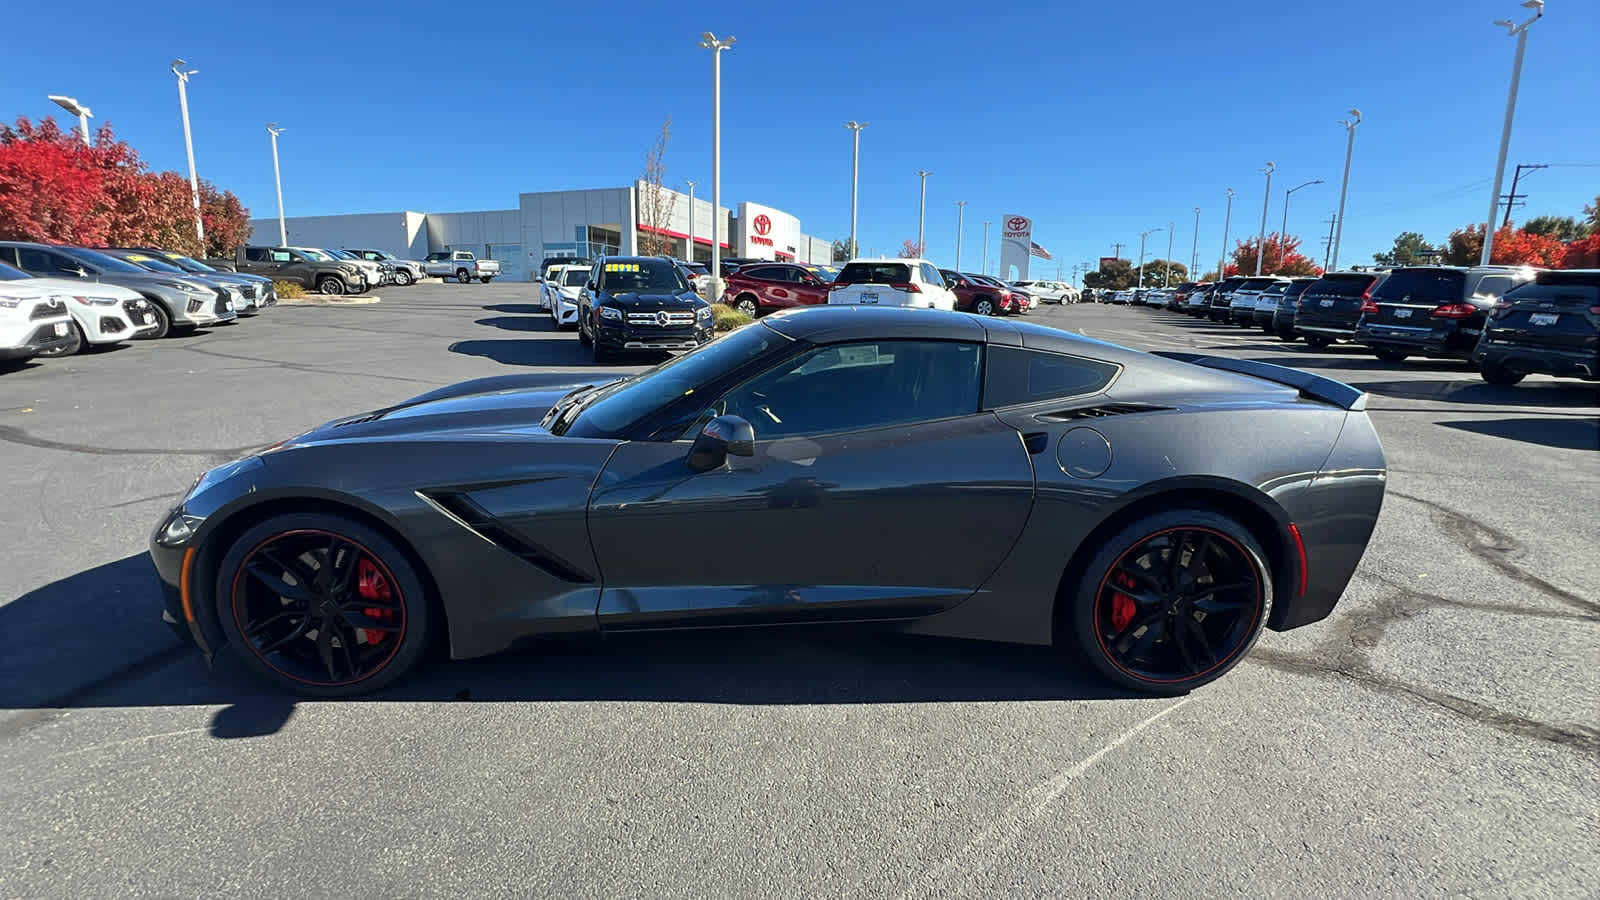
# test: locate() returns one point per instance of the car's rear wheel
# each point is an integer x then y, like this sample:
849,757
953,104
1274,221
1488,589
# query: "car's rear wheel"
1171,601
747,304
1391,355
323,605
1497,374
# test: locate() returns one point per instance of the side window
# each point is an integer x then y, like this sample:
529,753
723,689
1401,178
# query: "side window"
760,273
40,262
256,254
281,256
1023,376
850,387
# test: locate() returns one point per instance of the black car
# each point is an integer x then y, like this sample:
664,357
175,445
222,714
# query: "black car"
1279,319
640,303
1550,325
1330,308
1436,311
904,469
1222,298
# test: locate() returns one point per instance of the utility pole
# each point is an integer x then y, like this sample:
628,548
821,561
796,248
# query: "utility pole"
1227,220
277,179
1327,243
1520,32
985,269
1166,265
188,145
922,209
1116,250
1266,198
855,177
1513,197
961,211
710,42
1194,252
1349,126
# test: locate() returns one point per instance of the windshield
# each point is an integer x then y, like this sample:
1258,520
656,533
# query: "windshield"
339,254
644,275
153,264
8,273
189,264
574,277
826,273
108,263
316,255
612,410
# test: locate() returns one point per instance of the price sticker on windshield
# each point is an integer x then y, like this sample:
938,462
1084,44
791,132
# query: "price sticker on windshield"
622,267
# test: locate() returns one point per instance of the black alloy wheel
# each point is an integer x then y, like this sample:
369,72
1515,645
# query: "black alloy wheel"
330,284
1173,601
748,305
321,604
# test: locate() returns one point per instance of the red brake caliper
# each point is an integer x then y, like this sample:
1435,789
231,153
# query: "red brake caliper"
371,585
1122,606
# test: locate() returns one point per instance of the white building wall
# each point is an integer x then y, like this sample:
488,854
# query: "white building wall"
392,232
765,232
551,220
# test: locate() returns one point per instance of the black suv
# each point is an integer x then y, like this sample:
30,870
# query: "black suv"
1434,311
1330,308
640,303
1222,298
1550,325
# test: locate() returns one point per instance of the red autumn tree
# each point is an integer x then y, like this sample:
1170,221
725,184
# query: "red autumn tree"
48,191
1511,248
1584,254
1283,257
227,221
910,249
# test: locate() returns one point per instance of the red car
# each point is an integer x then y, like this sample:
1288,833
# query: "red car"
976,297
757,288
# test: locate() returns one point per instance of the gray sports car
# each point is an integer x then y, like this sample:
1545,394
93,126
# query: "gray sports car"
930,472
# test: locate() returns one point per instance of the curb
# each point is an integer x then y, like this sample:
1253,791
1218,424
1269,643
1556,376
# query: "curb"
330,300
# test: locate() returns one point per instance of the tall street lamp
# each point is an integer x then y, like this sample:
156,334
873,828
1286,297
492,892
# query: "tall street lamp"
922,209
1266,197
961,211
710,42
1227,220
1520,31
691,185
75,108
855,177
985,268
1142,236
277,179
1194,251
188,145
1166,268
1283,233
1344,187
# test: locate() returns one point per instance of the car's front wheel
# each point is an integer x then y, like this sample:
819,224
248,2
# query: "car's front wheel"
983,306
403,278
330,284
321,604
1497,374
1391,355
1171,601
78,342
463,276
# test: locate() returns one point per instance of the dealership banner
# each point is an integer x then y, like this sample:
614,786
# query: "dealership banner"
1107,260
1016,246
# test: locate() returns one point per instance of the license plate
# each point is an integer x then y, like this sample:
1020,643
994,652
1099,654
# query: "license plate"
61,329
1327,303
1403,313
1543,318
869,298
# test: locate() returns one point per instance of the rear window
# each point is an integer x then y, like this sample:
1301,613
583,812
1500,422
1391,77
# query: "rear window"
1422,285
1298,288
1572,294
1341,285
875,273
1257,284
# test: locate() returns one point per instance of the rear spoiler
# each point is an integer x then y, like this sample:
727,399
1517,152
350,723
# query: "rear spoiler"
1316,387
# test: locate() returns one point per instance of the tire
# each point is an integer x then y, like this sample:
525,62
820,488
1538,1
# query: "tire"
1105,622
79,342
330,284
983,306
385,616
601,355
463,276
163,322
583,334
1391,355
1288,337
747,304
1318,342
403,278
1497,374
487,278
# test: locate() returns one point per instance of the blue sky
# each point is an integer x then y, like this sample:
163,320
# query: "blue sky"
1099,120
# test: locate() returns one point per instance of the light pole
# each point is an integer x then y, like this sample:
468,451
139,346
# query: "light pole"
961,211
1283,233
691,185
77,109
1520,31
1266,197
1227,220
710,42
855,177
188,144
277,179
1344,187
1142,236
922,209
1166,268
985,269
1194,252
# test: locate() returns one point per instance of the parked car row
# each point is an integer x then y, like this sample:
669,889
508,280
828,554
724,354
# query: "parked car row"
1508,321
58,300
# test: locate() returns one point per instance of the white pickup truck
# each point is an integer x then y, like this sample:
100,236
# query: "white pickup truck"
460,265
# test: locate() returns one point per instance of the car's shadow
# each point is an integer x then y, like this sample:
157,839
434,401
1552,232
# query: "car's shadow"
1481,393
525,309
94,639
520,323
1568,434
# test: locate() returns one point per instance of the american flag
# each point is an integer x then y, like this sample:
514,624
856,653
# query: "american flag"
1036,250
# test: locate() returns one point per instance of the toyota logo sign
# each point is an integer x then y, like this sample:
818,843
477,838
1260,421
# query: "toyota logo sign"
1017,223
763,224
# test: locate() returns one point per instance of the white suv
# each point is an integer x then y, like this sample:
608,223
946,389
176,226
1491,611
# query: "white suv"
891,282
32,320
559,293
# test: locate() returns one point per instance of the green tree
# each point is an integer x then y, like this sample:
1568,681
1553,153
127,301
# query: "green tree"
1562,228
1176,272
844,250
1114,275
1409,247
1592,212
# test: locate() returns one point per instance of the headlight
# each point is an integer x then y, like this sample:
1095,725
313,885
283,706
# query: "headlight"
610,312
9,302
184,286
178,529
703,313
349,270
96,301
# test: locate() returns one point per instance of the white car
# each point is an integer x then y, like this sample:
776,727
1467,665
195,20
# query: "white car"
1048,291
891,282
101,313
559,293
33,320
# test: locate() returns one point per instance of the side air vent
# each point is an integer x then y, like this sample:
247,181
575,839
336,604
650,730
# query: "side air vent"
478,520
1102,411
369,417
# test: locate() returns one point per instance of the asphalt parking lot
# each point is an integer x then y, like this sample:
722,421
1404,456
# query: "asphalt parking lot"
1439,736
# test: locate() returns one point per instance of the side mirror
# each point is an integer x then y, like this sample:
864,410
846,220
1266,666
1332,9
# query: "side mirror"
721,437
589,286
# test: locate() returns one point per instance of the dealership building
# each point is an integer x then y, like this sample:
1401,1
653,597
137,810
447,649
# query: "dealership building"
588,223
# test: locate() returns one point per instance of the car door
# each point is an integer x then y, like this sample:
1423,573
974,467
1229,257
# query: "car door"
877,490
809,289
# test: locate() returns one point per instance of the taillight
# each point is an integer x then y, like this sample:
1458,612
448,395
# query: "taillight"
1454,311
1594,310
836,286
1368,307
909,287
